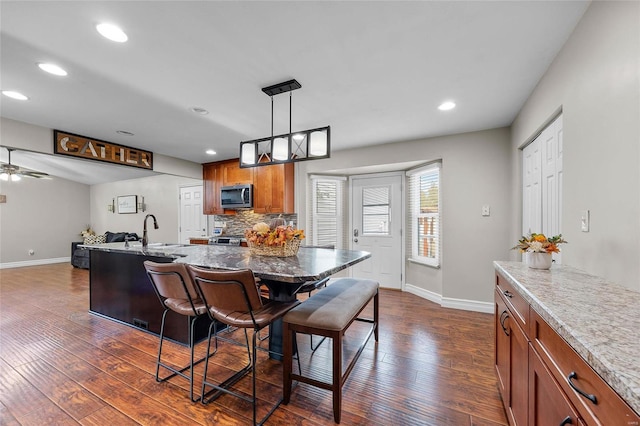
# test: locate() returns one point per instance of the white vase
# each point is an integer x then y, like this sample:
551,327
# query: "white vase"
539,260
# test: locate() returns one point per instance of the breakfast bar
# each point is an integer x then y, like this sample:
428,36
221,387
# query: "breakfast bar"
118,263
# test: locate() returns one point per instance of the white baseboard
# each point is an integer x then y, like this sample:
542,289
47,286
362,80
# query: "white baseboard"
24,263
448,302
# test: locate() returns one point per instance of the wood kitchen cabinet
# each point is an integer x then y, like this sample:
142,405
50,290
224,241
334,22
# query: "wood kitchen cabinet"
512,365
232,174
273,186
541,378
548,405
211,177
275,189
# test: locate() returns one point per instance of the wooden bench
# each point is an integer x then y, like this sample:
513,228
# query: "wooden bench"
329,313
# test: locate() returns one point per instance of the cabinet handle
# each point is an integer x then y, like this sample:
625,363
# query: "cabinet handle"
502,320
590,397
566,421
508,294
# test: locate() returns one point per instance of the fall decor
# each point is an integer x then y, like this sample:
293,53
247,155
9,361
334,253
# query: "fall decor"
279,241
538,243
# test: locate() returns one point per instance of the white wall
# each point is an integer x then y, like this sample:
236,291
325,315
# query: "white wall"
161,198
47,215
476,170
595,80
43,215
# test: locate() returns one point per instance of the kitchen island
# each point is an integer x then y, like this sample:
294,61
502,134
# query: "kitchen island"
567,347
118,279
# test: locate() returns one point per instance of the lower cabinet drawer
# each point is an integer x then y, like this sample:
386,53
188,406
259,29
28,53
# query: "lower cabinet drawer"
516,303
593,398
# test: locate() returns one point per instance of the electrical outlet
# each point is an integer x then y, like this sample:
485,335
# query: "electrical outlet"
486,210
584,221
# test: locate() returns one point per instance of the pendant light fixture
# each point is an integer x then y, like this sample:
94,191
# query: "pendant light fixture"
287,148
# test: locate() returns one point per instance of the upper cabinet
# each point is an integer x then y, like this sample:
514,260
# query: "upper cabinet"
211,176
273,189
273,186
232,174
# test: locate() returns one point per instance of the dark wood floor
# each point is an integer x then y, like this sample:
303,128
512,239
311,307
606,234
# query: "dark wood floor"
61,365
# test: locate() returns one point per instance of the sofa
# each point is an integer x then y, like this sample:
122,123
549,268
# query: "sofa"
80,255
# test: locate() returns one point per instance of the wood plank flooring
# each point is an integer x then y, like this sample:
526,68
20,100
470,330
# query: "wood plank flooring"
61,365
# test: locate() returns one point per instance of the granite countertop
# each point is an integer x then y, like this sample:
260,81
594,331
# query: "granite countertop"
310,264
600,320
173,250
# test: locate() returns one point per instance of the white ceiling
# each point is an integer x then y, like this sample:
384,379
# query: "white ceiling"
374,71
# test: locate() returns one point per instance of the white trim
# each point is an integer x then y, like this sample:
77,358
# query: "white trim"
448,302
9,265
468,305
425,294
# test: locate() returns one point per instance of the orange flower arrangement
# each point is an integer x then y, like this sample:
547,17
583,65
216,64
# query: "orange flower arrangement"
539,243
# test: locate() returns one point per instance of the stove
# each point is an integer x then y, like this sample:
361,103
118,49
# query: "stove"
225,241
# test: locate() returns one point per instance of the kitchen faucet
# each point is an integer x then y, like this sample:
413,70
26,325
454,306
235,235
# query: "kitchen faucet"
145,237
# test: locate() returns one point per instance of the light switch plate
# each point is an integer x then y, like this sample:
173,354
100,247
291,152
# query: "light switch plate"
584,221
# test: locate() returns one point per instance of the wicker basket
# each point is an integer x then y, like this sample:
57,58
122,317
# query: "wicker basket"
290,248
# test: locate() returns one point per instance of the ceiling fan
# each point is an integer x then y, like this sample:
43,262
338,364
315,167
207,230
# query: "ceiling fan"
14,173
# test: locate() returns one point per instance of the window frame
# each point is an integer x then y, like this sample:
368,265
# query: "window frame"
414,213
340,182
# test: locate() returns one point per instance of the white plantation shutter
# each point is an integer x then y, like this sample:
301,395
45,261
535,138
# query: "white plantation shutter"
425,214
327,211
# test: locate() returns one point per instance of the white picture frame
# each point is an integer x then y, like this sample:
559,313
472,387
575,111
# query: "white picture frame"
127,204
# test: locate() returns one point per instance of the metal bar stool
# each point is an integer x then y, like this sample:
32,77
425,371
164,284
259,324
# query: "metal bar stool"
232,298
176,291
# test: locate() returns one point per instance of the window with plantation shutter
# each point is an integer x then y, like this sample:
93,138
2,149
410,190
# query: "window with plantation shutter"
327,211
424,214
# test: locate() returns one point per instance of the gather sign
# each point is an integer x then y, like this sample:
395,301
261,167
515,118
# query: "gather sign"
94,149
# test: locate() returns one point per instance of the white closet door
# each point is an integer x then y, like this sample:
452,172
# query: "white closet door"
542,183
531,193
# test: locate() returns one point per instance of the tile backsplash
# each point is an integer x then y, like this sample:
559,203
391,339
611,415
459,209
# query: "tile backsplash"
243,219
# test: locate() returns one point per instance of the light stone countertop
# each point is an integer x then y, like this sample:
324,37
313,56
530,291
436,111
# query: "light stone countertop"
600,320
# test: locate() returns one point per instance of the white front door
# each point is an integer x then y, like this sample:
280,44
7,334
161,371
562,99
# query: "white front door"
376,227
193,223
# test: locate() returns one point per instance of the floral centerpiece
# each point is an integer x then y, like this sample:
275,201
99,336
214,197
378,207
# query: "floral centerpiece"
279,240
538,249
538,243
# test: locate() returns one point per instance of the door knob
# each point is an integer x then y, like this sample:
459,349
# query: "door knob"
355,240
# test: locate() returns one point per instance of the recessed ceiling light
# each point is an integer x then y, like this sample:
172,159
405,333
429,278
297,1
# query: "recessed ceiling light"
52,69
112,32
200,111
446,106
211,152
15,95
124,132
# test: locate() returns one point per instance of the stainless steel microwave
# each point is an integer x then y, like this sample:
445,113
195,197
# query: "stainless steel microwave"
236,197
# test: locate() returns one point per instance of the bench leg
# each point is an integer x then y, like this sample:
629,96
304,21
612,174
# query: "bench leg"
337,376
287,363
375,315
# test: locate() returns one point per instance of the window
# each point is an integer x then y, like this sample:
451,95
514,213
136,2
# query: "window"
375,210
327,211
424,214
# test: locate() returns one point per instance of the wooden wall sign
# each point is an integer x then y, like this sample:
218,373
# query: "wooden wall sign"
95,149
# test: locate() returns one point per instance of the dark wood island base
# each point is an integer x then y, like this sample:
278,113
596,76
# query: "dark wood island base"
120,290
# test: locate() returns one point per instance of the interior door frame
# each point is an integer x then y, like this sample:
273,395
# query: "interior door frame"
403,215
206,217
